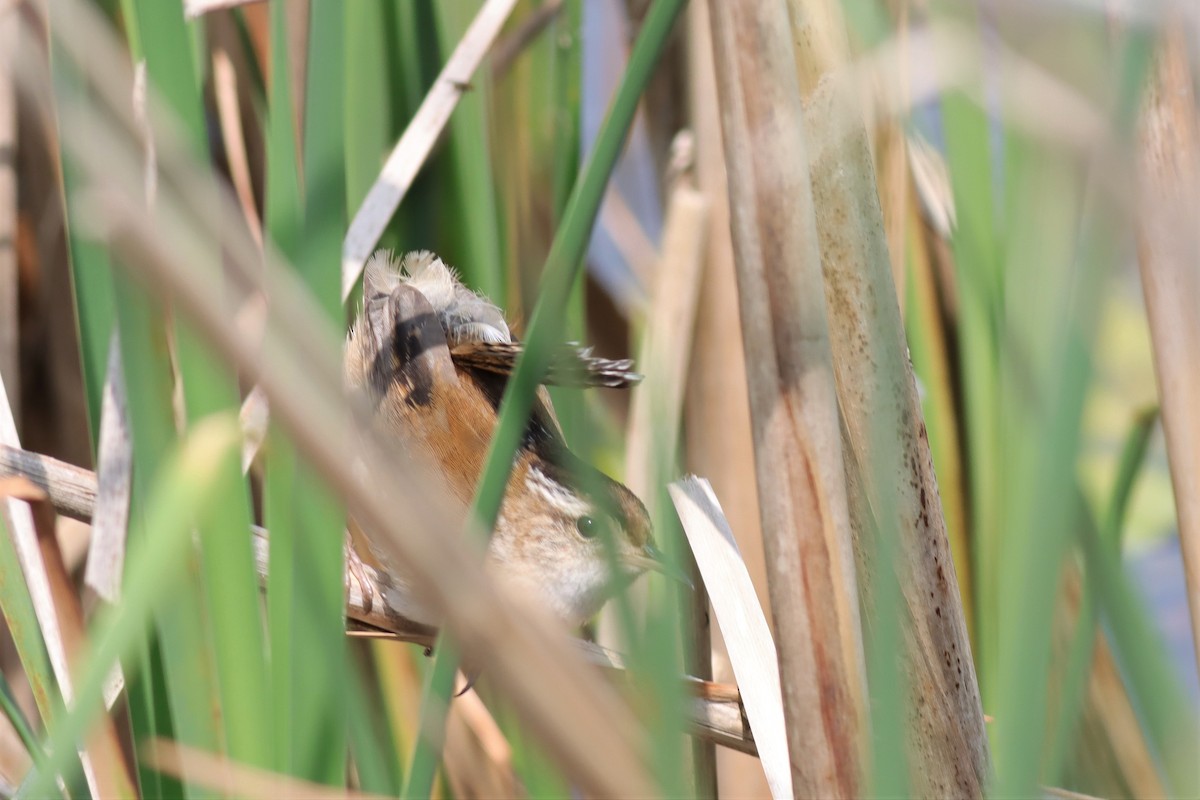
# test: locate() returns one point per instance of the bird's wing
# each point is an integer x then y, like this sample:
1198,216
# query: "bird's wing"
569,365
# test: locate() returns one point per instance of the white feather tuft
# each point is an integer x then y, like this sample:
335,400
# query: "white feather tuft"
465,315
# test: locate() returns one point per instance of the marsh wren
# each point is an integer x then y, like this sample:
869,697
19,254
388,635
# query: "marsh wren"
431,358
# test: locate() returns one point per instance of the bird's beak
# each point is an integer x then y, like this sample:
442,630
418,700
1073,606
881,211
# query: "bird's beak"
651,558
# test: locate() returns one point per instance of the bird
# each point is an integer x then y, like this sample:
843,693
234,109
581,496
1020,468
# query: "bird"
430,359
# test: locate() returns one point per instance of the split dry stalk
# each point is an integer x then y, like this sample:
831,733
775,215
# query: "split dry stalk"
1168,252
884,431
798,452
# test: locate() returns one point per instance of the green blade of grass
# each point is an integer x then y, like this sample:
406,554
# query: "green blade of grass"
282,222
322,733
1129,467
475,243
305,589
21,622
8,703
90,270
435,697
161,703
1079,653
229,599
1063,244
226,568
1166,712
372,743
368,99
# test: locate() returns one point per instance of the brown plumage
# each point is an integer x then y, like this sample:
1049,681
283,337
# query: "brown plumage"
443,409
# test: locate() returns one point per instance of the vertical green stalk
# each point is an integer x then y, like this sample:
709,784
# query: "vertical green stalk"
372,741
21,622
321,563
282,222
476,246
439,684
367,120
90,270
1079,652
567,71
305,584
225,567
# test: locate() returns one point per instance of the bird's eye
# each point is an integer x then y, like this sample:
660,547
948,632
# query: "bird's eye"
586,527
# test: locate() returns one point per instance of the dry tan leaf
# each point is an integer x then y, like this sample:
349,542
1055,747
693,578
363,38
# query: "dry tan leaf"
1168,252
751,649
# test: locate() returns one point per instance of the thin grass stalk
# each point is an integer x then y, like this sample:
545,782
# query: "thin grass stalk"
798,454
173,687
1117,722
435,702
294,633
39,621
233,779
320,724
226,61
652,445
12,711
1065,237
751,650
976,245
20,620
652,442
369,97
1064,248
1081,648
1168,244
477,246
90,268
371,740
881,412
479,759
226,562
566,254
1158,701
